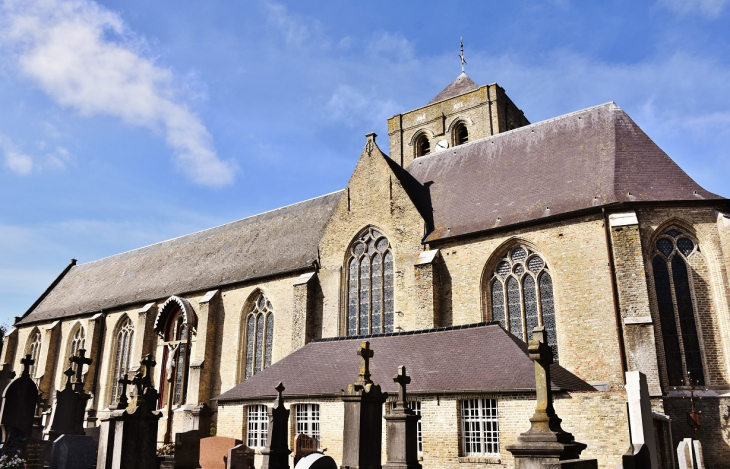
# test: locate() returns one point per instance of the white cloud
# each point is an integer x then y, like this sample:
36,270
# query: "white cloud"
85,58
22,163
349,105
708,8
18,162
390,46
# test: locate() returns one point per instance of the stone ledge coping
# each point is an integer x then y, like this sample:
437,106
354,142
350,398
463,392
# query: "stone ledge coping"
480,460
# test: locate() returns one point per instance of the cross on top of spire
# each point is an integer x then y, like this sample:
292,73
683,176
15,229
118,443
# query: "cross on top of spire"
366,353
461,55
27,362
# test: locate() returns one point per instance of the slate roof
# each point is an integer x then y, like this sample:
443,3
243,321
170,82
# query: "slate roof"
590,158
479,357
275,242
462,84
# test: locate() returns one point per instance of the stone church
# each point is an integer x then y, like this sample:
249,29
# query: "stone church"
445,254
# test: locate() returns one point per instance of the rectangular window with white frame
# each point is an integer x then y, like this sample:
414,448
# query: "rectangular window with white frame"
258,426
479,427
415,406
307,420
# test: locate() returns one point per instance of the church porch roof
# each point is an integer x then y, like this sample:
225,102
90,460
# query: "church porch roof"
479,357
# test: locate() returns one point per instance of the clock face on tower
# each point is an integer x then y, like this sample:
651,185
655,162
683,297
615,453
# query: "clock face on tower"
442,145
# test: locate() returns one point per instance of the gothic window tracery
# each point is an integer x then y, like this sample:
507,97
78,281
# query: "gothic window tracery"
673,285
370,301
259,335
122,356
520,293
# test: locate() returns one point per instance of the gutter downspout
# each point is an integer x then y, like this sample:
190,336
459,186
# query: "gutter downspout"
48,290
614,289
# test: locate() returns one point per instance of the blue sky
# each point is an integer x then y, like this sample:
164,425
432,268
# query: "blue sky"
130,122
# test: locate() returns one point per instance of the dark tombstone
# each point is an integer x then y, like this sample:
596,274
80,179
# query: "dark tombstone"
19,401
36,453
214,451
73,452
316,460
402,429
276,452
67,417
187,449
545,442
6,376
128,438
240,457
93,432
303,445
362,438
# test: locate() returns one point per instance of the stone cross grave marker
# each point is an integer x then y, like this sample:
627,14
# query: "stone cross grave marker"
6,376
67,417
240,457
123,403
366,353
402,429
276,453
80,360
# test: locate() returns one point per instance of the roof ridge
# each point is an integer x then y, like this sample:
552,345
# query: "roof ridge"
612,104
206,229
417,332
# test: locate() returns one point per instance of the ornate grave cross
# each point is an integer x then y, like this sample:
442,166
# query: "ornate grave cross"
461,55
402,379
69,374
138,381
366,353
80,360
541,353
123,401
27,362
148,364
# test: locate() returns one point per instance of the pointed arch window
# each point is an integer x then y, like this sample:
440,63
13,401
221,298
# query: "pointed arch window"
521,295
34,349
673,285
423,145
370,300
259,335
122,356
77,341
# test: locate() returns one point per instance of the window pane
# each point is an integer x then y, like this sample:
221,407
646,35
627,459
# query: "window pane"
498,303
377,294
179,375
548,312
687,324
259,343
352,299
530,305
480,427
250,337
388,304
269,339
670,337
364,296
513,308
258,424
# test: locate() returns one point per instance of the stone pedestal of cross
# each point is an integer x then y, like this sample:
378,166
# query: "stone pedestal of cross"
276,453
362,430
545,442
402,429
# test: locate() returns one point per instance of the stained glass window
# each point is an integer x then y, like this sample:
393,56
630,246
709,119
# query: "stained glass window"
682,349
77,342
122,356
531,305
259,335
370,301
34,348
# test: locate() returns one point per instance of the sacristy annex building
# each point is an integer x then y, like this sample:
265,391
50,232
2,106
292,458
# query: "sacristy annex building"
476,227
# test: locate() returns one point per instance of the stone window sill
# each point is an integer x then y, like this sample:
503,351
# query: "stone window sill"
480,460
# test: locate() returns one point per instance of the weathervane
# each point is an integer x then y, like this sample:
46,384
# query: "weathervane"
461,55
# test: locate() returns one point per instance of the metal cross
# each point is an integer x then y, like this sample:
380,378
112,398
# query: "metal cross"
461,55
80,360
27,362
148,364
124,381
366,353
402,379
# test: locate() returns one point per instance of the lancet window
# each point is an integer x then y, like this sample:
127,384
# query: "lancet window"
521,295
259,335
673,283
370,295
77,341
34,348
122,355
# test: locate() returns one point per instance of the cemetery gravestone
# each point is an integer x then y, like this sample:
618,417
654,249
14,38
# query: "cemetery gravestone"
214,451
35,453
276,452
684,454
6,376
303,445
402,429
73,452
67,417
699,459
19,401
240,457
187,449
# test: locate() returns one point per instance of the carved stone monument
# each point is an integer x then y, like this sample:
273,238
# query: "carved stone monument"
402,429
362,437
276,453
67,417
214,451
545,442
19,401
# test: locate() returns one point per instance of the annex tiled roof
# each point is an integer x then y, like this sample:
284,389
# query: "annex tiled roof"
462,84
479,357
274,242
590,158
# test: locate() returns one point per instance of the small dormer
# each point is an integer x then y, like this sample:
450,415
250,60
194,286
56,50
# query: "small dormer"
461,113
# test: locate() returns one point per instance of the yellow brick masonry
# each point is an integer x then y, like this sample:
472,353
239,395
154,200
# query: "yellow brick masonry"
596,418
